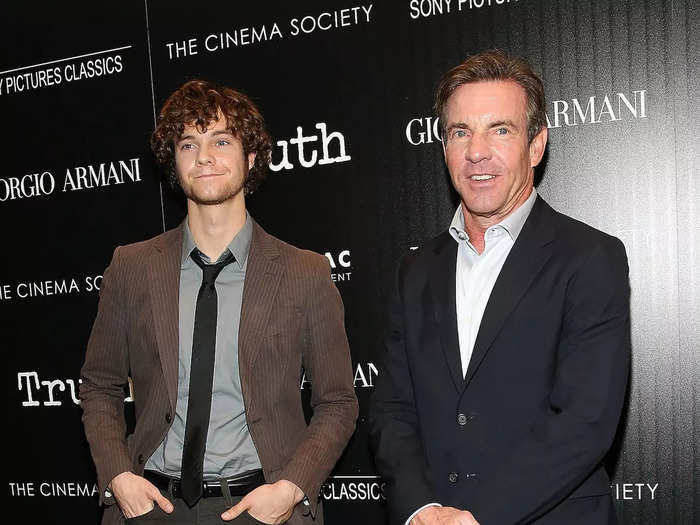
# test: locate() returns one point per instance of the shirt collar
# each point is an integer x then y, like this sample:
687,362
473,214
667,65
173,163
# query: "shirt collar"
512,224
239,245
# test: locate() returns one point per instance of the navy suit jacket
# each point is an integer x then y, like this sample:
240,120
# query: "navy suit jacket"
521,438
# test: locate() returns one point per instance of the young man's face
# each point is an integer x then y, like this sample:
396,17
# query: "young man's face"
486,148
211,166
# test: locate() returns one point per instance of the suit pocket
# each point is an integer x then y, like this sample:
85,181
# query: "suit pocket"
285,321
274,474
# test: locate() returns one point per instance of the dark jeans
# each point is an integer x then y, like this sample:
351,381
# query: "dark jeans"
207,511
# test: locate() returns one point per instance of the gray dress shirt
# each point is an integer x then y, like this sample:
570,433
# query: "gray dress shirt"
230,449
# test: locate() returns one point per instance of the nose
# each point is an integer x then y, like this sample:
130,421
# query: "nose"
204,155
478,148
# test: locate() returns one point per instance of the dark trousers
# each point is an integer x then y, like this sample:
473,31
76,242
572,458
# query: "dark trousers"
207,511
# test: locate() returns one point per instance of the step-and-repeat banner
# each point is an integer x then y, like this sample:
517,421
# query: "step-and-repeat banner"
356,174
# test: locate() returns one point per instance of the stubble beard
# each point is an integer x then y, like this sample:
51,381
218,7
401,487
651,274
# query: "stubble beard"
225,194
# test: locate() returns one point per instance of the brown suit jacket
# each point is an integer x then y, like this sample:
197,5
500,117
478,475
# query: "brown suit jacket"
291,316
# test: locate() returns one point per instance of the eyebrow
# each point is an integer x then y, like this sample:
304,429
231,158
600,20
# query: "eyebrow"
459,125
505,122
215,134
463,125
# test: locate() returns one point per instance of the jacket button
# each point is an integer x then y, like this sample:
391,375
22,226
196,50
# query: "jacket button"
168,418
462,419
140,459
453,477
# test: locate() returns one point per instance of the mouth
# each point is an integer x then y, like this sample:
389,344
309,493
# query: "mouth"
208,175
479,177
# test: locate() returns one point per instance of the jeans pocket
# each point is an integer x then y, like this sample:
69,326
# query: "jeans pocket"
251,519
146,515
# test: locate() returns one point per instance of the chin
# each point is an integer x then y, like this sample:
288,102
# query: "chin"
482,205
212,198
214,195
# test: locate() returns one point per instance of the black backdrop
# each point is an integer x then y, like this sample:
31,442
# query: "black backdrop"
357,174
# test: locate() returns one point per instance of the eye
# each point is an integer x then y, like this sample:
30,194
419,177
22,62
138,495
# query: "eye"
222,142
186,146
502,131
459,134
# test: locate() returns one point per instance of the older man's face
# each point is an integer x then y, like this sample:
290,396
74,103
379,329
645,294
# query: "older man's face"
486,148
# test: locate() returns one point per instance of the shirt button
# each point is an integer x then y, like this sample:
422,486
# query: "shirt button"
462,419
168,418
462,236
453,477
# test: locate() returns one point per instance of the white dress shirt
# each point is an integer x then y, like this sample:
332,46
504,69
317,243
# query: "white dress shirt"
476,275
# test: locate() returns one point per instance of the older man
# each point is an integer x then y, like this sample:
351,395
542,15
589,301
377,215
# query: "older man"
508,347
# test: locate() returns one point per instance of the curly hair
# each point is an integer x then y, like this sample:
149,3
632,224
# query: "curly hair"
199,103
495,65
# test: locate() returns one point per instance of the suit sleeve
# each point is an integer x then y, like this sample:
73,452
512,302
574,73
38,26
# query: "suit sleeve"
574,431
104,376
394,435
326,359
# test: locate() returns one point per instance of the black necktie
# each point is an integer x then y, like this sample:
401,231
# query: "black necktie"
201,379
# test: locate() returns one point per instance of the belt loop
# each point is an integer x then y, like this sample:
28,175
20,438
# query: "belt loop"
226,492
171,491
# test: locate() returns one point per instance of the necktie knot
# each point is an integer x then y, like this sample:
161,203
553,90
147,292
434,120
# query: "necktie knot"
210,271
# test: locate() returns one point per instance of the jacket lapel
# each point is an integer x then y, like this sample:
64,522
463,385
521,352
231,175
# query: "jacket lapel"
164,283
263,275
443,290
525,260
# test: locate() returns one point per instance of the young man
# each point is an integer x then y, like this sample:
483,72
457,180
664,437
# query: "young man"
213,321
508,348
